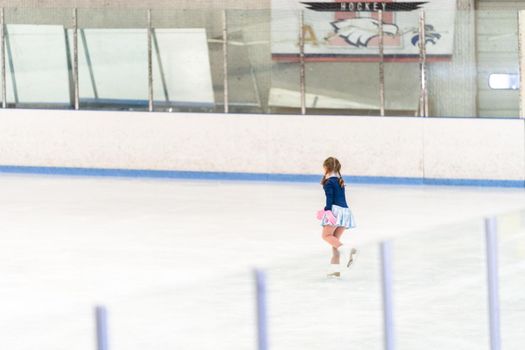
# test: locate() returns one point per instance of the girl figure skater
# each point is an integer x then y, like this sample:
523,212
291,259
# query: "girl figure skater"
336,217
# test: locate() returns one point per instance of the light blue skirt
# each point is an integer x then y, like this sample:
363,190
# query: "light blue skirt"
343,216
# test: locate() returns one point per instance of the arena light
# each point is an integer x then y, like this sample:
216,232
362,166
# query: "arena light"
504,81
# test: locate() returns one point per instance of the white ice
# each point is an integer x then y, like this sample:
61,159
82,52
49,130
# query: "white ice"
172,260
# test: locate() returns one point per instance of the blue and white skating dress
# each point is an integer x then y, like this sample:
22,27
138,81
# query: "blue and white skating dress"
336,202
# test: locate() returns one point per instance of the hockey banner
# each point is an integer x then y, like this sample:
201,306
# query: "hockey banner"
363,6
337,30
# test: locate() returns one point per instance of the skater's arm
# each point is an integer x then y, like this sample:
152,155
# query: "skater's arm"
329,192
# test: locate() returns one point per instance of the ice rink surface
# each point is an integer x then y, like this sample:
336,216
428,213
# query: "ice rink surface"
172,260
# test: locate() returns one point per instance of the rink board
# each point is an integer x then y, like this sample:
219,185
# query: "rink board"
258,147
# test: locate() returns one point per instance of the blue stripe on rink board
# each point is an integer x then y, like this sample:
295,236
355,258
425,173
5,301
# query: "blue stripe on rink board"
208,175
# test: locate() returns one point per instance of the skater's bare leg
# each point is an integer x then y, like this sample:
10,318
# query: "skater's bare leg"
328,236
335,252
348,251
335,256
338,233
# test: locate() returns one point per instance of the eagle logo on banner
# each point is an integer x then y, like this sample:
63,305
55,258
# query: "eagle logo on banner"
360,31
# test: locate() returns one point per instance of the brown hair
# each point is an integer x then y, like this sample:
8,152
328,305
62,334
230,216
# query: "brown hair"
332,164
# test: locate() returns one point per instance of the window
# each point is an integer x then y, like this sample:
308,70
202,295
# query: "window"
504,81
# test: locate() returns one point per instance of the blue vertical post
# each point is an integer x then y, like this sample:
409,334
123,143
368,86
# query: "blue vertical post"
262,325
491,238
101,319
386,277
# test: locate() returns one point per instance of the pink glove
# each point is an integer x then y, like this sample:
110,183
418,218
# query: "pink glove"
329,216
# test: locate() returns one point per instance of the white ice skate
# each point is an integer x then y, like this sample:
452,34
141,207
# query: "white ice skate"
348,253
334,271
353,257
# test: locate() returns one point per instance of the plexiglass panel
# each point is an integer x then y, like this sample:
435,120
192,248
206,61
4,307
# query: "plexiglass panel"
253,56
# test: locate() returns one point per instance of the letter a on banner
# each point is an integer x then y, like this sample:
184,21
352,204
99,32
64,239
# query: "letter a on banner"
309,35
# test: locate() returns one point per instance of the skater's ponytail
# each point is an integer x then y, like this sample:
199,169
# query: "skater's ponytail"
332,165
341,181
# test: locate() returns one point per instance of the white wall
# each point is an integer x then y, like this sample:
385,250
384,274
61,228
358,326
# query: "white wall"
367,146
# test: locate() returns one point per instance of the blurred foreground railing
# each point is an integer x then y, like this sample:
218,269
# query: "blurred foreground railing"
491,238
